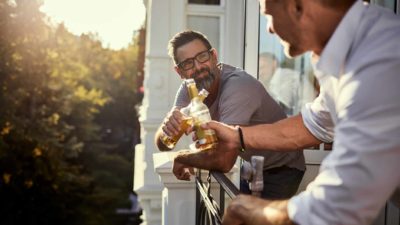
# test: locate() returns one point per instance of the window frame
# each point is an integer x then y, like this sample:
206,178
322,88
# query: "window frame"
217,11
222,2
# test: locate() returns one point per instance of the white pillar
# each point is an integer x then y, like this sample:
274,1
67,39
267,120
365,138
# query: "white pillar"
179,197
164,19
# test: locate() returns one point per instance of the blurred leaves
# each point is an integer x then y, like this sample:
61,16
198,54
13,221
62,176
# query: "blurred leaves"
67,122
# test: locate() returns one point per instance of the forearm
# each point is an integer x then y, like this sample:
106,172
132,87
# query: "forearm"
277,213
214,159
286,135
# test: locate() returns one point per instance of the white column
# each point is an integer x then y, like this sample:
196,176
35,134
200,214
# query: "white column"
179,197
164,19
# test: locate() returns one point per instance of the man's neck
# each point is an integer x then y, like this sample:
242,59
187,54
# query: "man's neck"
327,27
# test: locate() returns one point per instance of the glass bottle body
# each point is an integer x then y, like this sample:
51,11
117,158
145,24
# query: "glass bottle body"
187,120
207,138
170,142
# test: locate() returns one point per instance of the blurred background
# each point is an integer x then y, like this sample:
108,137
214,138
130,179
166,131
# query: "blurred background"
71,75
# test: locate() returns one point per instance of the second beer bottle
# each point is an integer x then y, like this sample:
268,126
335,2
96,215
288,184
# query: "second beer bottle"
201,115
187,120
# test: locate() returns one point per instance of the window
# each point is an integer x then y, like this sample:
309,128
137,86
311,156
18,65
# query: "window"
391,4
208,25
208,19
290,82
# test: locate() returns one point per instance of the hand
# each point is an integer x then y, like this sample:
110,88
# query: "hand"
172,122
228,136
247,209
181,171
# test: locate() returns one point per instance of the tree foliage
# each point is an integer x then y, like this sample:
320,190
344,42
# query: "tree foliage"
67,122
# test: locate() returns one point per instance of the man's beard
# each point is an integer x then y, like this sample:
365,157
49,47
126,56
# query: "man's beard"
206,81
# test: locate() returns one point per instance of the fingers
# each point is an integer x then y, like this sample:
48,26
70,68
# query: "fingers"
235,212
172,123
247,209
186,174
191,170
219,127
183,176
226,134
194,137
212,125
189,130
230,217
181,171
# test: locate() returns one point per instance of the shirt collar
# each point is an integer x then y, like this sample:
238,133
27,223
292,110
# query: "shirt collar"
339,45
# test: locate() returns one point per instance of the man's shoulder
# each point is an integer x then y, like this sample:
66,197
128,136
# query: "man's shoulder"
241,86
234,77
378,35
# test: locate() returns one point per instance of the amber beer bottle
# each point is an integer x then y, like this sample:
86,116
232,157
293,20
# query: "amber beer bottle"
201,115
187,121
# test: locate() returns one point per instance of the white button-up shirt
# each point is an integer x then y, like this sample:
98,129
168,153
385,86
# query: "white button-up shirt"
359,108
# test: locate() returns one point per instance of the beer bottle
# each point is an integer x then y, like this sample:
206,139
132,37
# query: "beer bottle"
187,121
207,138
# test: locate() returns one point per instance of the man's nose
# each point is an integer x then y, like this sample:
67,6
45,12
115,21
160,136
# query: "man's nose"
270,27
271,30
198,65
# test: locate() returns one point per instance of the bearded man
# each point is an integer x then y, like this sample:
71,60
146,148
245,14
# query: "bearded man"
235,98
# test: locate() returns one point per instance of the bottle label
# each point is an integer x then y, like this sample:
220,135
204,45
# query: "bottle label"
206,137
202,116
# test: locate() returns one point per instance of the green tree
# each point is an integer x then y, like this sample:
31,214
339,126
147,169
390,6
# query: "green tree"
61,95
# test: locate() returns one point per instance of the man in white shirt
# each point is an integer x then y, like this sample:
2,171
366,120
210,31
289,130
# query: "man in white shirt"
356,54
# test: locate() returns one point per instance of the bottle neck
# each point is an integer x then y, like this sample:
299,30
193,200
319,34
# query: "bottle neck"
192,90
197,100
203,94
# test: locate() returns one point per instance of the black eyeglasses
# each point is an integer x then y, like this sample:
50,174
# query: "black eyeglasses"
201,57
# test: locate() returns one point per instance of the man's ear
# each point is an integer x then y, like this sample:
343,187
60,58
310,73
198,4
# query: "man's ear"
298,8
179,72
214,53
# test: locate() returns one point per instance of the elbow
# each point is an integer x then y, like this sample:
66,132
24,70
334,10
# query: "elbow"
224,167
222,162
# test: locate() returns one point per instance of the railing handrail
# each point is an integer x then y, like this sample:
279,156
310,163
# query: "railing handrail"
225,183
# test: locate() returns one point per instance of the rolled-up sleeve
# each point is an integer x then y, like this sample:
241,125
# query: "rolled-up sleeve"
317,119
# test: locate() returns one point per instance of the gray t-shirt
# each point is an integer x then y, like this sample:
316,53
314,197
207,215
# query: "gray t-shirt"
242,100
